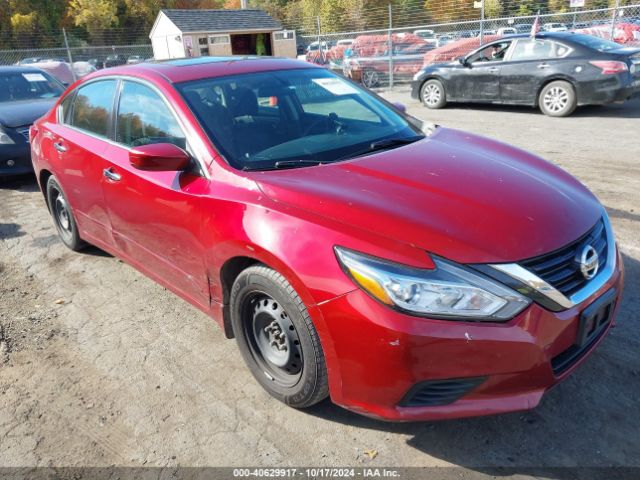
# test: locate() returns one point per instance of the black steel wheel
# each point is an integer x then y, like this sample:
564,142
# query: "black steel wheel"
63,216
277,338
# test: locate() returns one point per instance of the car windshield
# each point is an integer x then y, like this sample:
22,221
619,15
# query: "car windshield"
28,86
293,118
596,43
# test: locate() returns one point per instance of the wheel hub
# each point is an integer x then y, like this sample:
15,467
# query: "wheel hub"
431,95
556,99
276,339
63,213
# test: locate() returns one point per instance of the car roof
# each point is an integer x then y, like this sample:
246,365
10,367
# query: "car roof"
196,68
19,69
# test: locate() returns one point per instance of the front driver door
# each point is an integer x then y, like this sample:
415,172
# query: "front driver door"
479,81
155,216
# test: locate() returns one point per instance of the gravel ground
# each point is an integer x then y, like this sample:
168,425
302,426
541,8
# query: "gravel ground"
100,366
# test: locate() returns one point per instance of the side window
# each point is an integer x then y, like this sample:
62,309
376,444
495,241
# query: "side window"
64,110
535,49
492,53
144,118
92,107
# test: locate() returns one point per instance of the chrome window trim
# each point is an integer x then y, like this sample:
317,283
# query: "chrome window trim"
122,78
525,276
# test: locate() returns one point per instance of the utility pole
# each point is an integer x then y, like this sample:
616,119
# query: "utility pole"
613,20
482,22
390,48
66,45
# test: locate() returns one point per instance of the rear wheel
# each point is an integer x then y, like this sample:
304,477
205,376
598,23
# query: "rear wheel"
433,94
277,338
558,99
63,216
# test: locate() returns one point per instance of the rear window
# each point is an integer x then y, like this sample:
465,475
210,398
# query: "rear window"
596,43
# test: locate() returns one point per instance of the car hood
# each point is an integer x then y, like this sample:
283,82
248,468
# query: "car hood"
457,195
24,112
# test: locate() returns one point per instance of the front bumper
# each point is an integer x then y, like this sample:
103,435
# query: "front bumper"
378,356
15,160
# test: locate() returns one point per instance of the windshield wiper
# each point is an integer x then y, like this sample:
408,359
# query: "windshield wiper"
385,144
282,164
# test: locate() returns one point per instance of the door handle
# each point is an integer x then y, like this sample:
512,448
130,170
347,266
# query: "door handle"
59,147
494,69
111,175
543,66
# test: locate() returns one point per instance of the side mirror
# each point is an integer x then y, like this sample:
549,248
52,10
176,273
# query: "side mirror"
400,106
463,61
159,157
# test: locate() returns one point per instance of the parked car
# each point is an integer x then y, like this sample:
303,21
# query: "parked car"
410,272
114,61
507,31
133,59
26,93
523,27
369,62
554,27
82,69
61,71
555,72
429,36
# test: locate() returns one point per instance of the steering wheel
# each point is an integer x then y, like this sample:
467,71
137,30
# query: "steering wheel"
332,123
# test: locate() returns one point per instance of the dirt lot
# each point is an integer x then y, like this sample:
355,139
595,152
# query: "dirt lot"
100,366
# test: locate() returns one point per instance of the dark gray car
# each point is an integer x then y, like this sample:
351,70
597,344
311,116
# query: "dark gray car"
553,71
26,93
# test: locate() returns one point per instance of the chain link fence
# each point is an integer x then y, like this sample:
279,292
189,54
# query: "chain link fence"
385,57
389,46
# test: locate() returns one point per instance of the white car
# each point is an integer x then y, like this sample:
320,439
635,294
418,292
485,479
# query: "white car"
428,36
555,27
507,31
347,42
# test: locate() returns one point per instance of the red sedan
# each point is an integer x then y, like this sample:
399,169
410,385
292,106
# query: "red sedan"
410,272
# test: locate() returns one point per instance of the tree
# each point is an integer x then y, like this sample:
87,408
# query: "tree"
95,15
24,27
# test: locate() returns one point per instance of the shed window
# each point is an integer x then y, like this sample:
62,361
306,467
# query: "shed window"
284,35
219,39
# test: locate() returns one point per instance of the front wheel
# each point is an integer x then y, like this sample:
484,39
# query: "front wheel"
558,99
277,338
433,94
370,78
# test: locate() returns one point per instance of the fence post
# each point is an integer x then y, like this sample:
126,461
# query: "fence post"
390,48
320,54
66,45
482,23
613,19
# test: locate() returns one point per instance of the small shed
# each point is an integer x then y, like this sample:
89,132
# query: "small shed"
196,33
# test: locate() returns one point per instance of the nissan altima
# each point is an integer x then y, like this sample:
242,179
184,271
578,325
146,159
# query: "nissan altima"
556,72
407,271
26,93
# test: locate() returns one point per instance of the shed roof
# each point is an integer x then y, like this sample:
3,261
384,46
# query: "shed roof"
221,20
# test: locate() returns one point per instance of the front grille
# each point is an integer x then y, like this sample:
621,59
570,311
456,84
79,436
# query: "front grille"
439,392
24,131
561,269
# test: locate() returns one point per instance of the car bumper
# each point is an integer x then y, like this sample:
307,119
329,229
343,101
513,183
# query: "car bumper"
615,88
15,160
378,357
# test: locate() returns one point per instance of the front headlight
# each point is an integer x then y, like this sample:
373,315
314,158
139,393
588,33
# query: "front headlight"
449,291
4,138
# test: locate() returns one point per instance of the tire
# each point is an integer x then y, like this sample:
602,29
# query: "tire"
557,99
277,338
433,94
63,217
370,78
